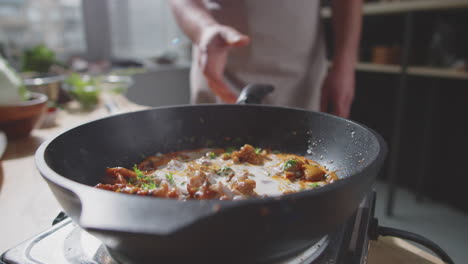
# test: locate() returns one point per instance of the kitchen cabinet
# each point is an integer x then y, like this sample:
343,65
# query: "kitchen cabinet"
408,15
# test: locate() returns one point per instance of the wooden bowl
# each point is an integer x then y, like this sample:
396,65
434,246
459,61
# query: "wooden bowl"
18,119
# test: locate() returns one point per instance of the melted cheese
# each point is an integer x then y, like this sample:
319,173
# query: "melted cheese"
269,181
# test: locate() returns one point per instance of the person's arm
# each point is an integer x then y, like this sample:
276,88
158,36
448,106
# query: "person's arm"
338,87
192,16
213,41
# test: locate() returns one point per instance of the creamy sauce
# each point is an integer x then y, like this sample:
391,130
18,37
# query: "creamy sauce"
262,175
223,175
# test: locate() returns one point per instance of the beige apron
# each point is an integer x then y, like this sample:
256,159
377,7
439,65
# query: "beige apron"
286,50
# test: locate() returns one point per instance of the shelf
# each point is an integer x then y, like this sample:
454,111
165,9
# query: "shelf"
413,70
404,6
373,67
440,73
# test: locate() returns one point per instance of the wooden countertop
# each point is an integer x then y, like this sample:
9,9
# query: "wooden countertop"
28,207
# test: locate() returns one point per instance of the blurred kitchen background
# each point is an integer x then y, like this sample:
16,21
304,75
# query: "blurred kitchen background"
93,29
411,86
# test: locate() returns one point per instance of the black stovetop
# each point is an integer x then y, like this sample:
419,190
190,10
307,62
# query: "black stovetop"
66,243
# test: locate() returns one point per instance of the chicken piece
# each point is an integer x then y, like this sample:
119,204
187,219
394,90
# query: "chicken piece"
247,154
293,169
222,190
122,171
331,177
313,173
245,186
196,181
173,193
118,175
108,187
129,189
161,191
226,156
206,192
143,192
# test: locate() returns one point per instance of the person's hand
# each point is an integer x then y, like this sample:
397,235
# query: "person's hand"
214,45
338,91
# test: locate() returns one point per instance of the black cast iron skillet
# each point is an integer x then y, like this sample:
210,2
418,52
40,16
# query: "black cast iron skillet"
139,229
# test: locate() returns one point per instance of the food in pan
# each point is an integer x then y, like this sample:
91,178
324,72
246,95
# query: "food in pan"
224,174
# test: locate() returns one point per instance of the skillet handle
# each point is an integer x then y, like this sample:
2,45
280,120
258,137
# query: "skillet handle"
254,93
102,210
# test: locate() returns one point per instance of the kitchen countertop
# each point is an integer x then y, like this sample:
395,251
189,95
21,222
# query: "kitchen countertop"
28,207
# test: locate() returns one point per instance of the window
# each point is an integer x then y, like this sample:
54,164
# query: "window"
143,28
99,29
55,23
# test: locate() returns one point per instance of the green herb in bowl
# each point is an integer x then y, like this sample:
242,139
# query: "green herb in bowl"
83,89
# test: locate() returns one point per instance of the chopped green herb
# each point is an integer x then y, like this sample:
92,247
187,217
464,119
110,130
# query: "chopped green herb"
149,185
183,183
289,164
211,155
170,177
227,155
225,171
314,185
138,172
83,89
144,180
258,150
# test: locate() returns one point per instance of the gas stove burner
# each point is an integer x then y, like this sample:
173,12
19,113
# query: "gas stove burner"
81,247
76,246
65,242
